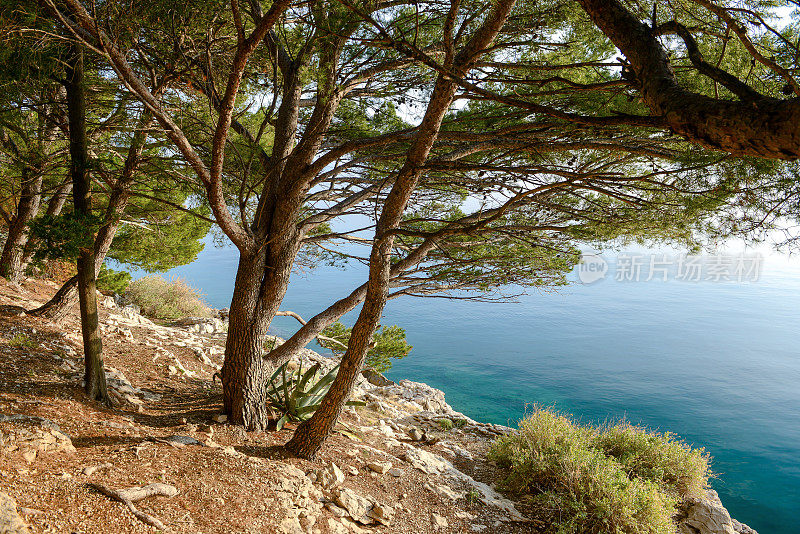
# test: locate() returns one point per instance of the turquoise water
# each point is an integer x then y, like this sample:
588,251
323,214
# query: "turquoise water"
717,363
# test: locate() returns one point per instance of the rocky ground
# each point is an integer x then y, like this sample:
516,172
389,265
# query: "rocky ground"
163,456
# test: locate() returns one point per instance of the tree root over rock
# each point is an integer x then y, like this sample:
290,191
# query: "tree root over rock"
137,493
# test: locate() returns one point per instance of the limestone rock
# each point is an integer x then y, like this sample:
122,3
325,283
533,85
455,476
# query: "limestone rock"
446,491
379,467
375,378
290,525
335,527
10,521
705,516
330,476
205,360
415,434
741,528
203,325
425,461
337,511
386,429
355,504
382,513
438,521
296,499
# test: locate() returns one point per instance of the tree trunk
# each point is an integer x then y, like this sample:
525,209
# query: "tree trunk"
54,207
57,307
12,264
95,378
762,127
310,435
258,291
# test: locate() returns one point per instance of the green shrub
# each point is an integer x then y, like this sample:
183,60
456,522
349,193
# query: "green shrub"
22,341
111,280
166,299
389,343
661,458
585,480
62,236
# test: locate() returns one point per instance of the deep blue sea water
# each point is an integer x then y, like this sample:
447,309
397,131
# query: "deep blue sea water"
716,362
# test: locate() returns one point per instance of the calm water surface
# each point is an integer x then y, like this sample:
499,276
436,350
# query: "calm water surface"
717,363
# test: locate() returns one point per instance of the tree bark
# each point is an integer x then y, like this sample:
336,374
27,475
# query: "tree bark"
310,435
95,378
54,207
12,260
18,249
258,291
57,308
762,127
264,270
244,366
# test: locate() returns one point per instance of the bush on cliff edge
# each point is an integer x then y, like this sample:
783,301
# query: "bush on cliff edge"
166,299
589,480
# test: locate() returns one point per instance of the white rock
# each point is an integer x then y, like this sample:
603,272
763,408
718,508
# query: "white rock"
415,433
395,472
330,476
337,511
425,461
705,516
438,521
10,521
355,504
335,527
382,513
379,467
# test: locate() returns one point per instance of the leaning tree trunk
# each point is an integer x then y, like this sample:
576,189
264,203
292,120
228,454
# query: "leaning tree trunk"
12,260
95,378
310,435
59,305
54,207
758,126
57,308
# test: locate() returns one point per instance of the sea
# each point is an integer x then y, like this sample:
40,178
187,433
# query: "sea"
710,353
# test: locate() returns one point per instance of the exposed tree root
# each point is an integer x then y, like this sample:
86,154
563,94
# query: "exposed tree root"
137,493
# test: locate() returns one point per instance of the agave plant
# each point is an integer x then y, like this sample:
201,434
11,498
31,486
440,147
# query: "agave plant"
298,394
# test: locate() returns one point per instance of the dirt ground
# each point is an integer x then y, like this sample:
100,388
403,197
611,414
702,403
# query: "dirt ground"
221,489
